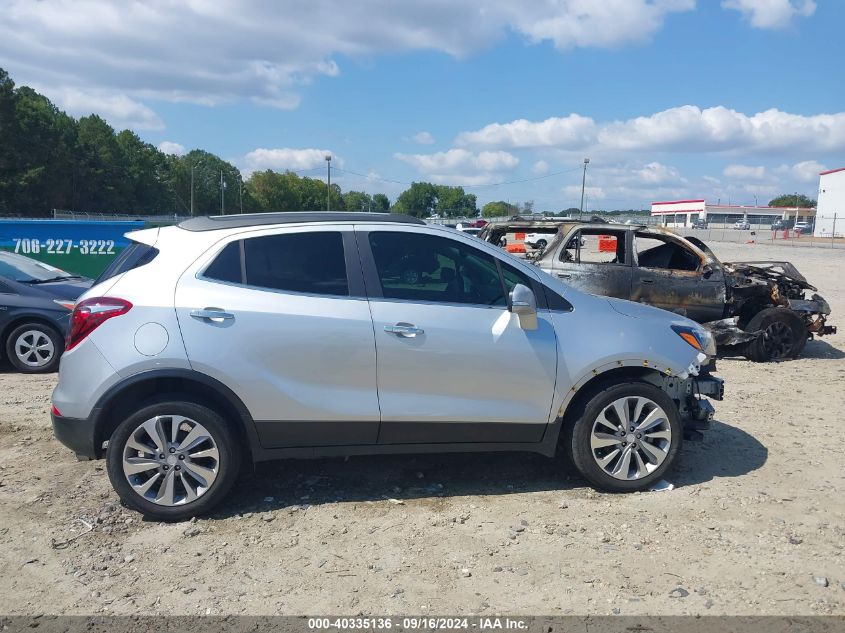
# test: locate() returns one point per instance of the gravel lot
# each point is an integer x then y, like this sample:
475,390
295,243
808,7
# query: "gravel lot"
756,524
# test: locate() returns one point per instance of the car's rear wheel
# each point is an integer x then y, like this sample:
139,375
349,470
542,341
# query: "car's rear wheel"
173,460
34,348
540,244
625,437
784,335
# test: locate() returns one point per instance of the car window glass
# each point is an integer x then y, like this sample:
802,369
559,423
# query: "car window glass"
20,268
227,265
133,256
310,262
420,267
512,276
593,246
656,252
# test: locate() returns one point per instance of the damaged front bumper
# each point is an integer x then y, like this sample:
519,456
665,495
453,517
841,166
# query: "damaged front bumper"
693,395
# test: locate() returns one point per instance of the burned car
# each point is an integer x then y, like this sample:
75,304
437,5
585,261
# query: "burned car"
757,309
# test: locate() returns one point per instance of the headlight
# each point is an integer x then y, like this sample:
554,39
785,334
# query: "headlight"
699,338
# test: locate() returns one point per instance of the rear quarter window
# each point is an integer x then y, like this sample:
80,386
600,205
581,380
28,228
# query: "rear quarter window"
133,256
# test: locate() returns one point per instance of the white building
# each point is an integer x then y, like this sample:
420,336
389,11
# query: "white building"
830,220
682,213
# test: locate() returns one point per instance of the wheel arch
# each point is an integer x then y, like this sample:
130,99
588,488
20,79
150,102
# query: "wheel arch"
130,394
584,389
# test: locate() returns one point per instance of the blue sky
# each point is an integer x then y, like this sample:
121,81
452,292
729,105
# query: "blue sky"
734,100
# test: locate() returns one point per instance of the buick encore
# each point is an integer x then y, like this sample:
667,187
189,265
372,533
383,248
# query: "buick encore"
229,340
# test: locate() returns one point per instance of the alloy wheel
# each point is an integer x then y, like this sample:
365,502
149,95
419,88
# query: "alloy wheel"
778,340
171,460
34,348
631,438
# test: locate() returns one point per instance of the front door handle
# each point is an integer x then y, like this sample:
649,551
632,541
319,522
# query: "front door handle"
647,281
406,330
564,275
215,315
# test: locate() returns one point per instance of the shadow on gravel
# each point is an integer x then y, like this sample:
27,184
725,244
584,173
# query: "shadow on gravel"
822,349
401,477
725,452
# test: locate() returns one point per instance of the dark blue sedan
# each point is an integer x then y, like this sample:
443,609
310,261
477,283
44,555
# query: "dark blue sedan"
36,300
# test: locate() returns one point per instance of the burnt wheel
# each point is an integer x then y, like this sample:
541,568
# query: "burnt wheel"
784,336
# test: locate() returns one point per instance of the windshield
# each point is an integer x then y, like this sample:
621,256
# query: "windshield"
20,268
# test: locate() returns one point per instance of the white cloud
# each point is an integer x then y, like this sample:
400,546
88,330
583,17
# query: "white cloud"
684,129
118,109
805,171
169,147
570,132
460,166
212,52
771,14
744,172
423,138
285,158
540,167
606,24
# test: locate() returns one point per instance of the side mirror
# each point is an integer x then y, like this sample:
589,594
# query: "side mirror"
523,304
707,271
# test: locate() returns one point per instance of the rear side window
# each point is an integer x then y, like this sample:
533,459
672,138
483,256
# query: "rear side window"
310,262
133,256
227,265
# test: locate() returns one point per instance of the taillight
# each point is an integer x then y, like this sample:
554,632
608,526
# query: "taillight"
89,314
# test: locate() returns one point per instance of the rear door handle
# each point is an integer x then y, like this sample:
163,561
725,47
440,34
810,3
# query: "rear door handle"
212,314
564,275
647,281
406,330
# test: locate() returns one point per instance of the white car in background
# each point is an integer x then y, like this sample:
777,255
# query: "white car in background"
538,240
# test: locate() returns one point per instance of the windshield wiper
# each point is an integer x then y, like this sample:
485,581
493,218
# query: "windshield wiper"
51,279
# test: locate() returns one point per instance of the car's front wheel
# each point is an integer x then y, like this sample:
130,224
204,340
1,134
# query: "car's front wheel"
783,337
34,348
173,460
625,437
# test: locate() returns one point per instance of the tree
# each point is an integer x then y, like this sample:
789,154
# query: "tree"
793,200
147,171
419,200
381,203
499,209
357,201
207,169
453,202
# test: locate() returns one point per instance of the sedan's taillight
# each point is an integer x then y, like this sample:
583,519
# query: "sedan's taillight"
89,314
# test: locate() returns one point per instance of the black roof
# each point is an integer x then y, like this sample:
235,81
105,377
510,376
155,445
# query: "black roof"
214,222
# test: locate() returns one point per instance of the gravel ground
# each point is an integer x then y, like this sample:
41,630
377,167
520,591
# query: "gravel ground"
755,525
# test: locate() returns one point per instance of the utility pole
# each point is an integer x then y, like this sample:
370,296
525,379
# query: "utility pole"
583,183
222,197
241,194
329,182
193,166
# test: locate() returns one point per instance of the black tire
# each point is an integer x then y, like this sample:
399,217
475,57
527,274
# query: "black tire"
45,330
784,336
579,426
540,244
221,433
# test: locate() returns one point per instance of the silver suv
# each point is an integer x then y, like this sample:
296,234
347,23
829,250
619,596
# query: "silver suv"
234,339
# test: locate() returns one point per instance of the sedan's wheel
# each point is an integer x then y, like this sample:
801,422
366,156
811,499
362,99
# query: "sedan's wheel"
173,460
625,436
34,348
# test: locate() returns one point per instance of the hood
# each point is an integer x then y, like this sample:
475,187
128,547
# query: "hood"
643,311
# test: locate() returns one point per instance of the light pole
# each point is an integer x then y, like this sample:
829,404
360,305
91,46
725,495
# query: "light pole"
329,182
193,166
583,183
241,194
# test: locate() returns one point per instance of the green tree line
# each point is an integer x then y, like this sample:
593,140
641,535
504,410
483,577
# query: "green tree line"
50,160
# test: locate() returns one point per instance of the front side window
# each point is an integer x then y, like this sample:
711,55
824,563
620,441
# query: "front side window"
311,262
658,252
595,246
421,267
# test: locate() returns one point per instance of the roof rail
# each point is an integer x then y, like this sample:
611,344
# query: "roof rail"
215,222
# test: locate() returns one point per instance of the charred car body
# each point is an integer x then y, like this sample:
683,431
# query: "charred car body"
757,309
